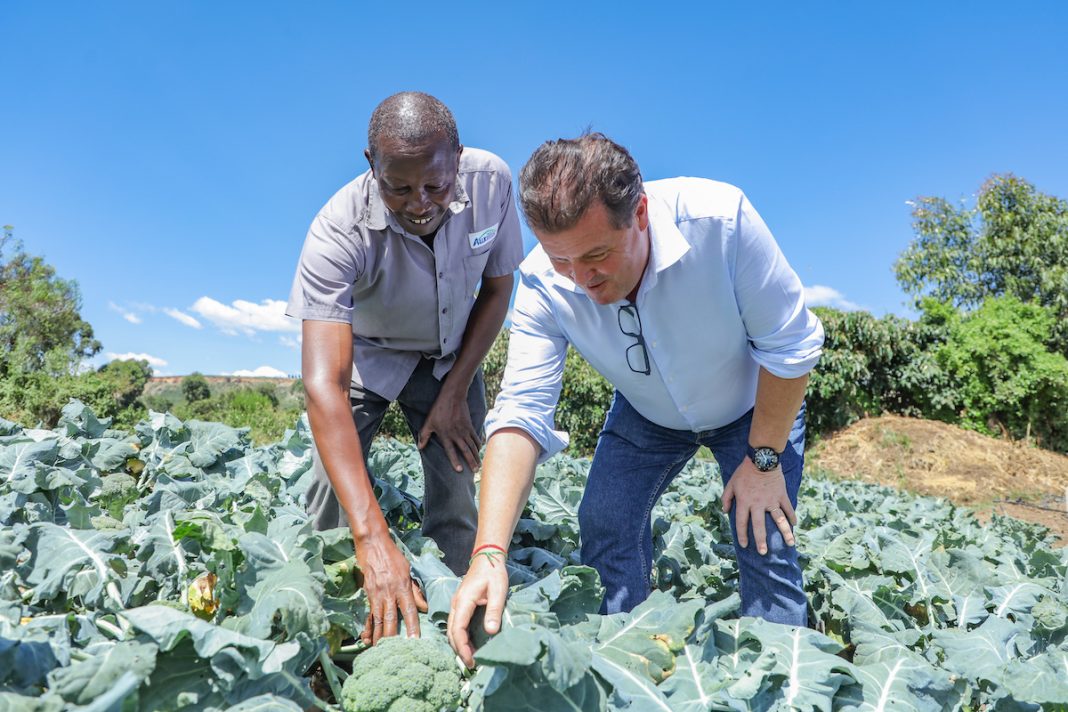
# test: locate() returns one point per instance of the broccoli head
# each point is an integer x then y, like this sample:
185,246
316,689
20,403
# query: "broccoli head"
403,675
118,490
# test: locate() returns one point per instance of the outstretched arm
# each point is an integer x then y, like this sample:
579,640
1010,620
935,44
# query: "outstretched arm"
506,481
326,357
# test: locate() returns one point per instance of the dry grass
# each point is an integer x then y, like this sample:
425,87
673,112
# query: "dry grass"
933,458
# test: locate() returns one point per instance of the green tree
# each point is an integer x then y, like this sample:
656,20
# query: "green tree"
43,340
195,387
41,328
1014,242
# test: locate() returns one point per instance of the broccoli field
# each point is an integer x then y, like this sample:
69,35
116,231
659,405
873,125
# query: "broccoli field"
174,568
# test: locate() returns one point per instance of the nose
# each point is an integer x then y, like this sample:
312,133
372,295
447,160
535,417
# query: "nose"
581,275
418,203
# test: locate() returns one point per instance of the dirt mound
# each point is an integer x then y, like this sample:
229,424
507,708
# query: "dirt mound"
933,458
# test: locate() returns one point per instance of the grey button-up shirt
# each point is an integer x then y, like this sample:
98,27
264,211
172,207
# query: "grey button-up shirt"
404,299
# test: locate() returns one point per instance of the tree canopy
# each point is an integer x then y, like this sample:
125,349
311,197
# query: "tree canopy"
41,327
1013,242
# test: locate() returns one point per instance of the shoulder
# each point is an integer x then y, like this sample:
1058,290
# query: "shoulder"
689,199
348,206
536,266
481,163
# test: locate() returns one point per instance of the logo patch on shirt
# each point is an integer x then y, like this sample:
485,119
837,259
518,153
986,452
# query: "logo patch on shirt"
482,237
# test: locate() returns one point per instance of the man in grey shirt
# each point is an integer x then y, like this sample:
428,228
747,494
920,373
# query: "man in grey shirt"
386,288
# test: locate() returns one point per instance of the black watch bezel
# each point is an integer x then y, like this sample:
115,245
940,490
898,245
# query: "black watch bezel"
765,459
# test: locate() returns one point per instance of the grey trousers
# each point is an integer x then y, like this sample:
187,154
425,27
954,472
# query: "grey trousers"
449,514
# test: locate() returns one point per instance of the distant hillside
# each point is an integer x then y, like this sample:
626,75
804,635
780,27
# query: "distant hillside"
288,391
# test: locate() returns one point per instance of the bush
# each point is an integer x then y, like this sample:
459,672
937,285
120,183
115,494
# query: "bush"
872,366
195,388
113,391
1009,382
255,408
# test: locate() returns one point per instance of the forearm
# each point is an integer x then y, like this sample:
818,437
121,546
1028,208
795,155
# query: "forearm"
338,444
777,403
483,326
507,476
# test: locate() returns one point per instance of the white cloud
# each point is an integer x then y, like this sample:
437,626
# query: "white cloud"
182,317
290,341
246,317
261,372
126,313
820,296
152,360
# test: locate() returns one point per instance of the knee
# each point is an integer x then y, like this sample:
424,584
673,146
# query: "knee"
606,521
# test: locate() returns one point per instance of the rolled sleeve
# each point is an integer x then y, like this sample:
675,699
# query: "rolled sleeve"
784,336
330,264
532,380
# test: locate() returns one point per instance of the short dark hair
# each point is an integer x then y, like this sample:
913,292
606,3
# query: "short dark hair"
411,117
563,178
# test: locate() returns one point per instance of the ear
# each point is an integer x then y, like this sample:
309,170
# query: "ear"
641,213
370,161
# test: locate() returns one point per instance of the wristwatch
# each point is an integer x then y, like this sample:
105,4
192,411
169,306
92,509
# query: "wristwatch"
765,458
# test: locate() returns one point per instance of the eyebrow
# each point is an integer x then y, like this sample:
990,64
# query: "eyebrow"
594,251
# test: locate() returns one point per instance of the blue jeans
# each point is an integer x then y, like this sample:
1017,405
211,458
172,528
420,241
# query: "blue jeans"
634,463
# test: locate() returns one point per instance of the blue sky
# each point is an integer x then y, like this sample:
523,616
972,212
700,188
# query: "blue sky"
169,157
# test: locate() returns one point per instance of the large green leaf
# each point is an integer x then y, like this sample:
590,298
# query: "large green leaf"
907,683
74,563
645,641
109,666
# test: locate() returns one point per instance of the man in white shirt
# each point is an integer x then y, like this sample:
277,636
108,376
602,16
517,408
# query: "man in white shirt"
676,292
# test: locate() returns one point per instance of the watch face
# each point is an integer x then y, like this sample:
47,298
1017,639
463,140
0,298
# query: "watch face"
765,459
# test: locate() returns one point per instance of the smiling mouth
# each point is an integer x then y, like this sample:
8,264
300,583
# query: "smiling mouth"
421,221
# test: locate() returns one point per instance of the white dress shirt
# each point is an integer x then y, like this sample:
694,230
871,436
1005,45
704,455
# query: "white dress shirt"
717,300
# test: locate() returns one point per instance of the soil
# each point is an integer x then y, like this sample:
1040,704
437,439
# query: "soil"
927,457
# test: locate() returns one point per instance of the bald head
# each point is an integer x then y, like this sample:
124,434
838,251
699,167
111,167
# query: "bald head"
411,118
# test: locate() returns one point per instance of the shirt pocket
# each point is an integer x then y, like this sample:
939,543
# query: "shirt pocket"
474,266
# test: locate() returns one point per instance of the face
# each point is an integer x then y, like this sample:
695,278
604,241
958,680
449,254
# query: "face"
606,261
416,182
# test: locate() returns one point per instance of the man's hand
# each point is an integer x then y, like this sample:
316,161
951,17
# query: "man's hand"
450,419
389,586
485,584
753,493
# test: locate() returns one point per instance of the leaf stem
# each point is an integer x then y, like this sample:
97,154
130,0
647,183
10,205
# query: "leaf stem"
331,675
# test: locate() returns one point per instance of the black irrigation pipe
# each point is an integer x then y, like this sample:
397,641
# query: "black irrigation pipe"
1032,506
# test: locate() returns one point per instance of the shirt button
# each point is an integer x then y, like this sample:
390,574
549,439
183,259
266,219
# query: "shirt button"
653,344
441,275
445,310
444,341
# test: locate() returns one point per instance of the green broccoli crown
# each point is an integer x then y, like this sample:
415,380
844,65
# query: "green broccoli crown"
118,484
118,490
403,675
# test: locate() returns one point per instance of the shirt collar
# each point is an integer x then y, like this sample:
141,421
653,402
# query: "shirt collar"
378,216
667,245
